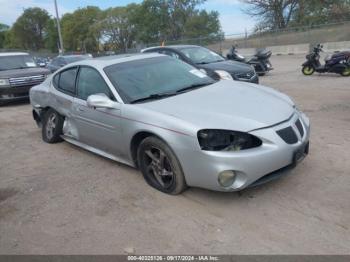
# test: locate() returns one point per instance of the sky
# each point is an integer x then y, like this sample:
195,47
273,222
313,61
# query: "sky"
232,18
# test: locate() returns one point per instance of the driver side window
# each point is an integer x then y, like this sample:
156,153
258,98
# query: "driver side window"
90,82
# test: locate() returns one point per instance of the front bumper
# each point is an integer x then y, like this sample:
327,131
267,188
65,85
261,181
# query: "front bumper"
9,94
273,156
255,79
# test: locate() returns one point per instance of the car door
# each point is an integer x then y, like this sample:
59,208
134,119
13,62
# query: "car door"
97,127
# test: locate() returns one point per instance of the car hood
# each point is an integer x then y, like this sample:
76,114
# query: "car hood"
228,105
233,67
23,72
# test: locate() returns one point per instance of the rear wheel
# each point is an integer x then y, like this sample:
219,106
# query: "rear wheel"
346,71
308,70
160,167
52,127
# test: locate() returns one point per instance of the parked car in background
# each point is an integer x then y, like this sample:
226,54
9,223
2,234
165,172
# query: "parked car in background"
41,61
209,62
177,125
62,60
18,73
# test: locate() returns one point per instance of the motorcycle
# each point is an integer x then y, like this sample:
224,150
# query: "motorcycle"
338,63
260,61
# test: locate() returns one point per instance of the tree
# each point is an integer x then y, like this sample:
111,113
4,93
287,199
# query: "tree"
202,24
78,30
319,12
51,38
117,28
279,14
272,14
151,19
3,29
30,28
180,11
159,20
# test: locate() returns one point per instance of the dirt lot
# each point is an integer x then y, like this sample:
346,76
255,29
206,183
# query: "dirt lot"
59,199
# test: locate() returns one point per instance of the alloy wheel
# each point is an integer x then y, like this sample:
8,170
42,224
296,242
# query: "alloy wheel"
159,167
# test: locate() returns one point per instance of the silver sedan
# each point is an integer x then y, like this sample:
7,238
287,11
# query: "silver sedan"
170,120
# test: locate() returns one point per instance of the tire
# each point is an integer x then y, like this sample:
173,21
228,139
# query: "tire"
346,71
308,70
162,173
52,127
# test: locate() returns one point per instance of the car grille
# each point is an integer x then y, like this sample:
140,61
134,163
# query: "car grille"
246,76
288,134
300,127
27,80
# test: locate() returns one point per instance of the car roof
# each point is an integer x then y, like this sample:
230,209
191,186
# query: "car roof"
103,61
12,53
68,56
170,46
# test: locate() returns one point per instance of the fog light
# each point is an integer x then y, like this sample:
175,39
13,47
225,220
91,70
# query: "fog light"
226,178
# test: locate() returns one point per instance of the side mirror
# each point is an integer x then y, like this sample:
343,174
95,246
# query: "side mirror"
100,101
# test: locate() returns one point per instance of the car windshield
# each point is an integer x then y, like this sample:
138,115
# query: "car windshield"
16,62
154,78
201,55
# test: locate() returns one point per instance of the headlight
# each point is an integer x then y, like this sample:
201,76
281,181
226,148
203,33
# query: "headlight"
4,82
225,140
203,71
224,75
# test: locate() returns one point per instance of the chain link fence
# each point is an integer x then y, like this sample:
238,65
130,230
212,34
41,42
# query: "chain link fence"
305,35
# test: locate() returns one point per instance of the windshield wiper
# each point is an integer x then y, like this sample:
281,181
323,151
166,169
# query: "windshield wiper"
151,97
194,86
163,95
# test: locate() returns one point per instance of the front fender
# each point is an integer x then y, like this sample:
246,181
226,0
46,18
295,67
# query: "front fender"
307,63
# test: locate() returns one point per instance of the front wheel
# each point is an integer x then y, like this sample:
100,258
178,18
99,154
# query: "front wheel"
346,71
160,167
308,70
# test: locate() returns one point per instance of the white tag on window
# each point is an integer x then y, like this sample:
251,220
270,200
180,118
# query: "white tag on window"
198,73
30,64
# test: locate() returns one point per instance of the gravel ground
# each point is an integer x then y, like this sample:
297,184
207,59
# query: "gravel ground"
59,199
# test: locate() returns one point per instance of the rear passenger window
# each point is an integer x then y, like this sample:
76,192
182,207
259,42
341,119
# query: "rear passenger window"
67,80
55,80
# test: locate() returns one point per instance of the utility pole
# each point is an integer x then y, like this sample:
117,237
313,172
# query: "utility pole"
61,50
